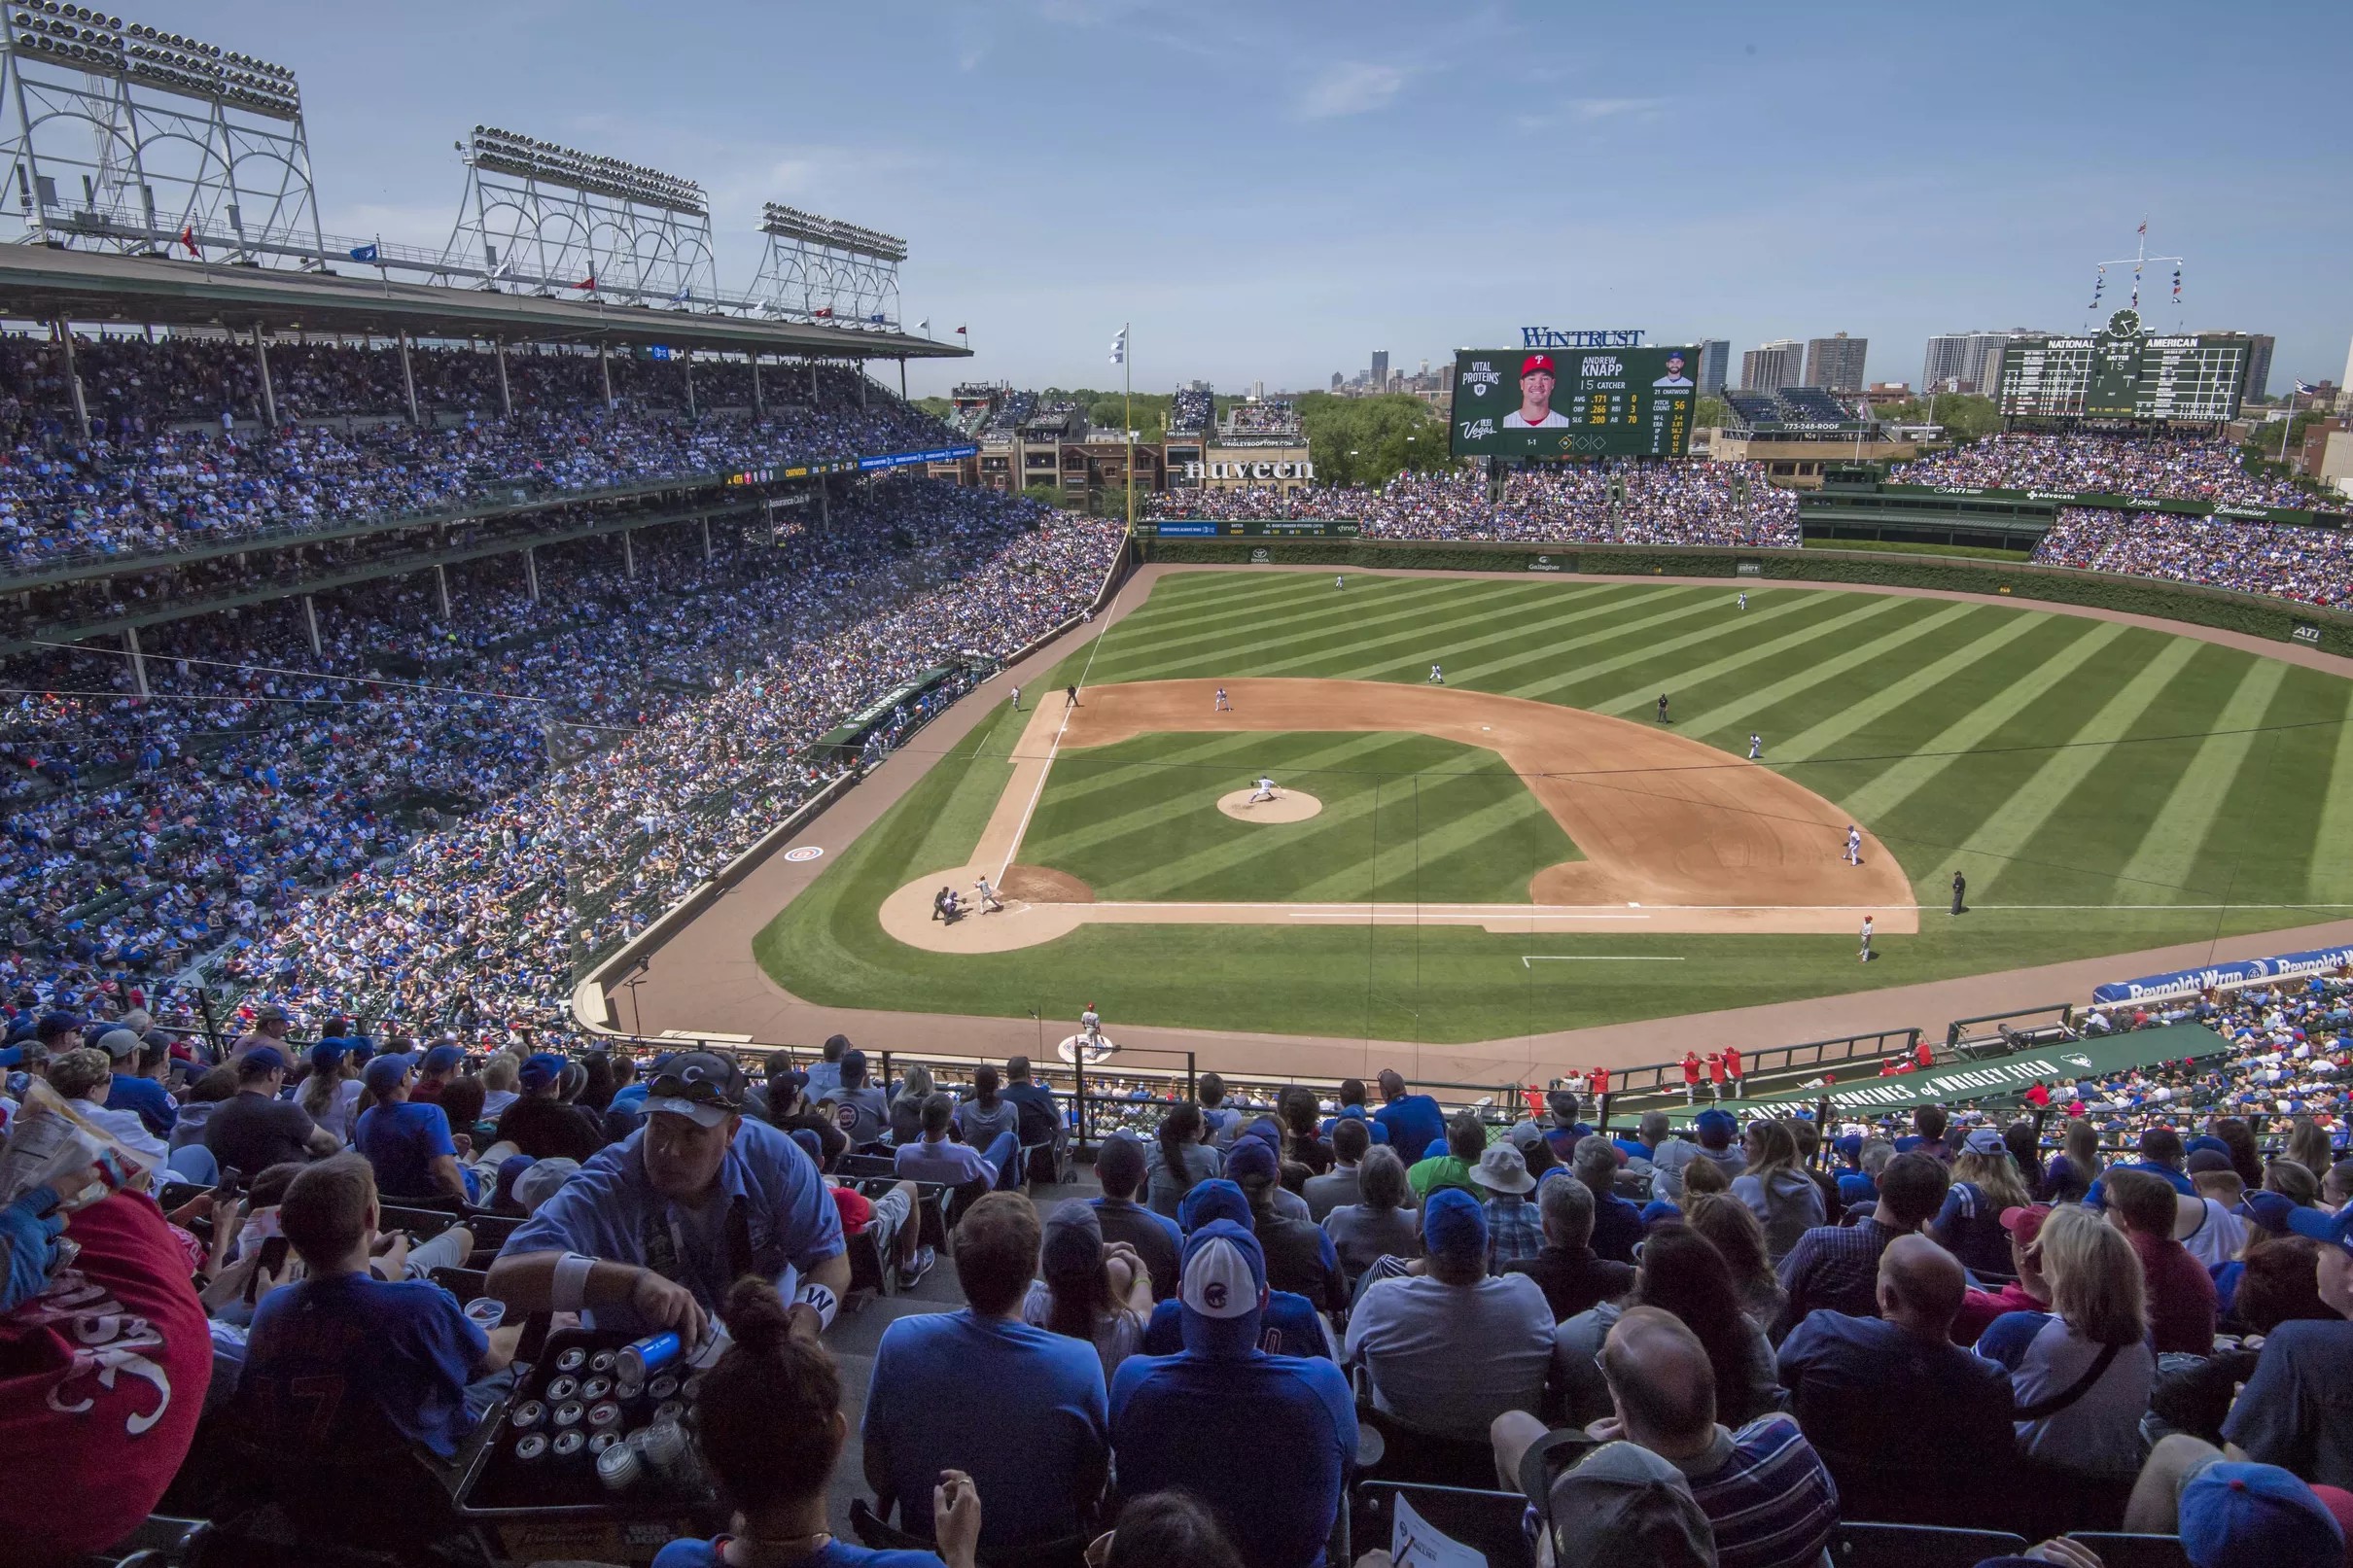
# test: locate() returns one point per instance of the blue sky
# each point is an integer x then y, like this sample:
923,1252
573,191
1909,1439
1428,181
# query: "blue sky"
1271,191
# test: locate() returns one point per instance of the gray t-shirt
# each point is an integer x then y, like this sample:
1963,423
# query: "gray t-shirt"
1361,1234
2297,1409
983,1125
1668,1159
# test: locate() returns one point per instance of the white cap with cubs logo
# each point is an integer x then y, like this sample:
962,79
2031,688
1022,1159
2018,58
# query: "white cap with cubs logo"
1224,1271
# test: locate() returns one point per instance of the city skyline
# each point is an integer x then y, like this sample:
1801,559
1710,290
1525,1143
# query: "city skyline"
1349,177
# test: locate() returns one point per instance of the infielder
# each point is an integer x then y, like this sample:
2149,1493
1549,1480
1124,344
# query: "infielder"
1662,707
1854,844
1866,939
1756,748
1266,791
987,895
1437,674
1223,706
1070,697
1017,699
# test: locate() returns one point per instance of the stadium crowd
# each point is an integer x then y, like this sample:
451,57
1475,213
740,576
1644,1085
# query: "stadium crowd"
2314,565
347,843
178,454
1646,1347
2171,467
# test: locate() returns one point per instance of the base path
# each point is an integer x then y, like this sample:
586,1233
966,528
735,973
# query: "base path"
1677,836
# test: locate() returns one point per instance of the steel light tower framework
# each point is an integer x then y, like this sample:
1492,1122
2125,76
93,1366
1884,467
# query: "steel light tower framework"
823,269
556,221
123,137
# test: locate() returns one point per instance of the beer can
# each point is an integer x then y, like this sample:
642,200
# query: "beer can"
642,1356
602,1361
601,1416
619,1467
593,1389
531,1445
663,1387
569,1413
560,1389
572,1360
568,1444
526,1415
602,1441
665,1447
671,1410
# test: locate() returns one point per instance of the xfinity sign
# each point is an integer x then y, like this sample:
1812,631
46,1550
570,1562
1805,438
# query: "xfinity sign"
1250,471
1581,337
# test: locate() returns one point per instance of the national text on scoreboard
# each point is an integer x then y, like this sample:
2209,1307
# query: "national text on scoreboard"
1522,403
2125,374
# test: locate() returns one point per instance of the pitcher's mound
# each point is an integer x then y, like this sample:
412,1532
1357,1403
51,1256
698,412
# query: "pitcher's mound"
1287,806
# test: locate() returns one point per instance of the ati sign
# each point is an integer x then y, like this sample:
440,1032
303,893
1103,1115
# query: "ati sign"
2306,634
1581,337
1301,470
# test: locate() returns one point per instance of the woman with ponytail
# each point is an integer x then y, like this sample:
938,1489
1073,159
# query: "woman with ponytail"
770,1426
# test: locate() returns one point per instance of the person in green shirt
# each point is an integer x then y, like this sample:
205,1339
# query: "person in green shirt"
1465,1142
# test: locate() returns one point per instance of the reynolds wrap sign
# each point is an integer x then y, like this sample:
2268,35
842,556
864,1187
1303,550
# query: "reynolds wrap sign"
2190,982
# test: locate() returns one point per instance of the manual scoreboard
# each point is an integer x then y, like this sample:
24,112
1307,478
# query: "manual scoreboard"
2125,374
1574,402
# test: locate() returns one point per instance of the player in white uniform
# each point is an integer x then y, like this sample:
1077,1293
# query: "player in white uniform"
987,895
1090,1023
1744,601
1854,844
1437,674
1756,748
1340,582
1017,699
1866,939
1223,706
1266,791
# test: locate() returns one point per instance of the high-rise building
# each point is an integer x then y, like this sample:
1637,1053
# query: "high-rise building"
1338,381
1774,365
1378,379
2259,359
1836,364
1715,359
1257,391
1968,362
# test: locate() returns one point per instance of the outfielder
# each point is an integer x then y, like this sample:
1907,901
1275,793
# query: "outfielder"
1437,674
1223,706
1266,791
1756,748
1744,601
1854,844
1340,581
1017,699
987,895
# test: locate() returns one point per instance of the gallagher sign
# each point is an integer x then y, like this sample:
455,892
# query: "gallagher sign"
1581,337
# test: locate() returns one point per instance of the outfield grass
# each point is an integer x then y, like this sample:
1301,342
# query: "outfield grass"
1404,816
2105,788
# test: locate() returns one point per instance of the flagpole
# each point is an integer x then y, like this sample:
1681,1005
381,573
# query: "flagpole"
1127,364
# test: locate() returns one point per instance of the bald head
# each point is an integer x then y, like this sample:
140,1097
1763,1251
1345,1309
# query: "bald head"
1660,1377
1920,1286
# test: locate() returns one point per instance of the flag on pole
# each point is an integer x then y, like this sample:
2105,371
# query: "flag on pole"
963,331
876,319
586,285
924,325
365,253
2305,389
685,295
2143,230
1119,347
187,237
821,313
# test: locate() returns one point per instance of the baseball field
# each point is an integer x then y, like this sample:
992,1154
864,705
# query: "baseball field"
1529,847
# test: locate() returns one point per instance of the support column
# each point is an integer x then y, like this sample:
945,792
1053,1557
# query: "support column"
531,570
138,661
812,383
440,586
824,503
73,375
706,536
498,346
760,409
310,623
690,409
629,557
604,367
408,383
269,398
902,378
862,383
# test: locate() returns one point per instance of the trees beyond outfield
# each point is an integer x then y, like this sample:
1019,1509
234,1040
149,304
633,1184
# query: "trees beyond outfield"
1370,440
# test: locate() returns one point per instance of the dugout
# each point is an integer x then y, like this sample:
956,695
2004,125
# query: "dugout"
848,740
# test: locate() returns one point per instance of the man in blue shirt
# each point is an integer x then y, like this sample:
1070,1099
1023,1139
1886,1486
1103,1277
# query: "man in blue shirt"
340,1364
1352,1109
1289,1324
2161,1155
137,1067
1119,1166
406,1144
1414,1122
1264,1440
654,1233
1018,1409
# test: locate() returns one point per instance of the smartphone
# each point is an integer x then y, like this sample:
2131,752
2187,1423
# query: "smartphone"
225,1191
273,1254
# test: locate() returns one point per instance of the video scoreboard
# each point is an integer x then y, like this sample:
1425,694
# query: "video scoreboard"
2123,373
1574,402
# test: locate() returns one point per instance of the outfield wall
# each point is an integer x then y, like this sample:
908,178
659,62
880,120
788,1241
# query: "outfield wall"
2251,613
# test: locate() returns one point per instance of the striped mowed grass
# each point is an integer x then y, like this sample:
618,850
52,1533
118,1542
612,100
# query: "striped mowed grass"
2103,787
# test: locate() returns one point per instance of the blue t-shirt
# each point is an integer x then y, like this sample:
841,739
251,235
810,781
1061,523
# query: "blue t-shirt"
316,1346
1414,1122
609,1209
401,1142
836,1553
1288,1327
1285,1426
2098,1196
1018,1409
158,1111
1354,1113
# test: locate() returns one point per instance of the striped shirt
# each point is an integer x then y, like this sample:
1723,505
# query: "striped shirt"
1768,1494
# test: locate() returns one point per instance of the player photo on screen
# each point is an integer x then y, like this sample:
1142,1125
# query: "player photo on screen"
1674,380
1537,379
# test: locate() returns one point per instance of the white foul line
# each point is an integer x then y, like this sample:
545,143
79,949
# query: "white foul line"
1528,960
1023,831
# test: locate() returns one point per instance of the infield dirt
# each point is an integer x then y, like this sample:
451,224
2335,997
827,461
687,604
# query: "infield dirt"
1677,836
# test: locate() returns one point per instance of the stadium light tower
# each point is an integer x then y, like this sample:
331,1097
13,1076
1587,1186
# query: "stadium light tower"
554,220
823,269
121,136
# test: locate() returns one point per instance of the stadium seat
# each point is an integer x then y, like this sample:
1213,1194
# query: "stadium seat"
1407,1454
1488,1523
466,1284
1919,1545
163,1540
2116,1550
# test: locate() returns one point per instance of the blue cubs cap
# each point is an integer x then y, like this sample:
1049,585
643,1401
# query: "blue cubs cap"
384,1075
810,1145
261,1060
1712,1120
2330,1230
2270,1210
1252,1160
540,1070
2258,1517
1452,1224
442,1058
326,1053
1437,1150
1217,1199
1267,1131
52,1025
